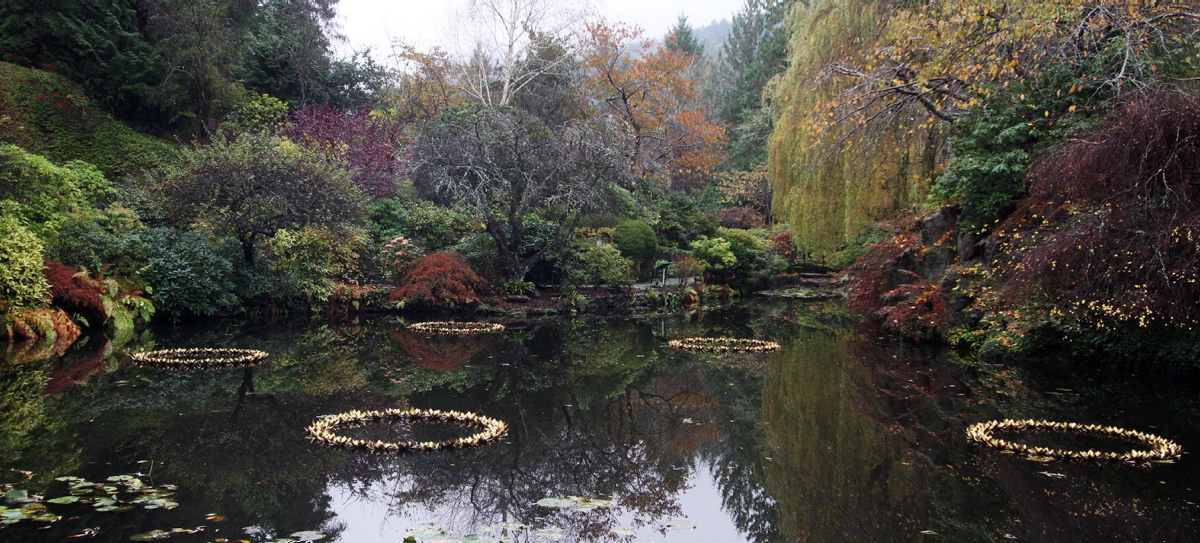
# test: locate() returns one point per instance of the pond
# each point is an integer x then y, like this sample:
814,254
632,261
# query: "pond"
840,436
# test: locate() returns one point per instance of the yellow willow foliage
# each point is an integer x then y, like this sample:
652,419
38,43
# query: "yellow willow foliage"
861,110
835,176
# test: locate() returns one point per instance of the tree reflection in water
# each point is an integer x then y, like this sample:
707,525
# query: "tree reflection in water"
839,437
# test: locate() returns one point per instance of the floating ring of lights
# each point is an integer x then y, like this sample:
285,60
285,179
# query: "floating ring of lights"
724,345
322,430
1160,448
457,328
202,358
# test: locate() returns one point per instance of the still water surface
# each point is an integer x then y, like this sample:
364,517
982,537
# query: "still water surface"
842,436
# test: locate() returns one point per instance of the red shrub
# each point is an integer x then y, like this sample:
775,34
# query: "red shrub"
784,248
75,292
871,278
439,279
915,310
1112,223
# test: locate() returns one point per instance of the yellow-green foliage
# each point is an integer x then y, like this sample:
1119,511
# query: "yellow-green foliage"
40,191
833,179
48,115
256,113
21,281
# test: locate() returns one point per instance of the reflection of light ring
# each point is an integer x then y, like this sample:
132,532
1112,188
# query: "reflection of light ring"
1160,448
322,430
458,328
724,345
202,358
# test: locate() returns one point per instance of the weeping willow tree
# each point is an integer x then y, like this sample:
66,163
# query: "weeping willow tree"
873,85
839,164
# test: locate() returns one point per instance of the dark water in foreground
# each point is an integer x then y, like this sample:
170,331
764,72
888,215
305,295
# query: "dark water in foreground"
840,437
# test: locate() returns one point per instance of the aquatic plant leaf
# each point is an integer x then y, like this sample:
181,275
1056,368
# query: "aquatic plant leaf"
513,526
623,530
552,533
557,503
679,524
33,508
476,538
15,495
63,500
117,478
68,478
213,517
152,535
427,530
309,535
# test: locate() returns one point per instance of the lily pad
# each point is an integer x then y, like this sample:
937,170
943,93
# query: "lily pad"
477,538
576,503
309,535
679,524
427,530
63,500
623,530
557,503
152,535
552,533
16,495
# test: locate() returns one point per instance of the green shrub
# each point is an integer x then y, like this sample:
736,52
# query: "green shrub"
587,262
94,238
429,225
254,112
716,253
189,274
42,190
21,281
309,260
637,242
752,251
681,220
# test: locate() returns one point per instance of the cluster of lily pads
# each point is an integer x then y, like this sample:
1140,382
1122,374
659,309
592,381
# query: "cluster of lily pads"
457,328
322,430
720,345
1160,449
117,493
201,358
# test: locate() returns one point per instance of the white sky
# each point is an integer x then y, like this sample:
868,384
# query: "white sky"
423,23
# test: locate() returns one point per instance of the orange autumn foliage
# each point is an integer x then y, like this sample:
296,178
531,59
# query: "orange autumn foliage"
654,90
439,279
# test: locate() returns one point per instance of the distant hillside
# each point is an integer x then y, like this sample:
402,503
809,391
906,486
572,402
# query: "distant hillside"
47,114
712,36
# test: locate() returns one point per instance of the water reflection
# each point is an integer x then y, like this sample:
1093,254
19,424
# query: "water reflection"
838,437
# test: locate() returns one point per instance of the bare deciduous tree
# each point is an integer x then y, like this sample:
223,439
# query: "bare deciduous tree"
505,163
501,35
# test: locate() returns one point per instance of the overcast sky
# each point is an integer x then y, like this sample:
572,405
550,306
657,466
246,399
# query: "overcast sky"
370,23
